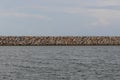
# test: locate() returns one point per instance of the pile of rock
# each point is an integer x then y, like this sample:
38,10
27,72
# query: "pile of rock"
70,40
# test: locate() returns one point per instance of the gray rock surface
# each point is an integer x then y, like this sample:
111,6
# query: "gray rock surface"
71,40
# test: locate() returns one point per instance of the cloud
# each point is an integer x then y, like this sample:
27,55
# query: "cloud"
108,2
97,2
102,11
102,16
23,15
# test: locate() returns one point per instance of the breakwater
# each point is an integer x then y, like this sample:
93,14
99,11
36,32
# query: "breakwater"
51,40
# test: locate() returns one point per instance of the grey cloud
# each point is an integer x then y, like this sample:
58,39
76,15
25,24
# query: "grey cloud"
105,7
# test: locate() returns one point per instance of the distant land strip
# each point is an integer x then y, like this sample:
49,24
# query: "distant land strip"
58,40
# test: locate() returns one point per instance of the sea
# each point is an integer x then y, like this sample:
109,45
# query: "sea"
59,62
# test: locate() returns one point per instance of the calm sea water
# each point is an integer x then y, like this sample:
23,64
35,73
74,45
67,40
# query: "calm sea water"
60,63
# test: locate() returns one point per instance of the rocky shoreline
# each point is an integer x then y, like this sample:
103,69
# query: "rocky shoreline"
55,41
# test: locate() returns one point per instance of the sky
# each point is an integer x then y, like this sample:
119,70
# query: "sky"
60,17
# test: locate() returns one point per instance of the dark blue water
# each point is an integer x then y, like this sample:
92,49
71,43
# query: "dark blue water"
60,63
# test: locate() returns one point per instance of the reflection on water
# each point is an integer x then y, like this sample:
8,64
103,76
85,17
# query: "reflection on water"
60,63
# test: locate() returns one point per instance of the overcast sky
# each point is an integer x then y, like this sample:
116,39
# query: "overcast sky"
60,17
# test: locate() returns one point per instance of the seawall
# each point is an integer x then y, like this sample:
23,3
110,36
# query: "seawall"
51,40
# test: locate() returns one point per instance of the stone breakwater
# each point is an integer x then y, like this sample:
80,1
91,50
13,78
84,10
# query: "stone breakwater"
70,40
